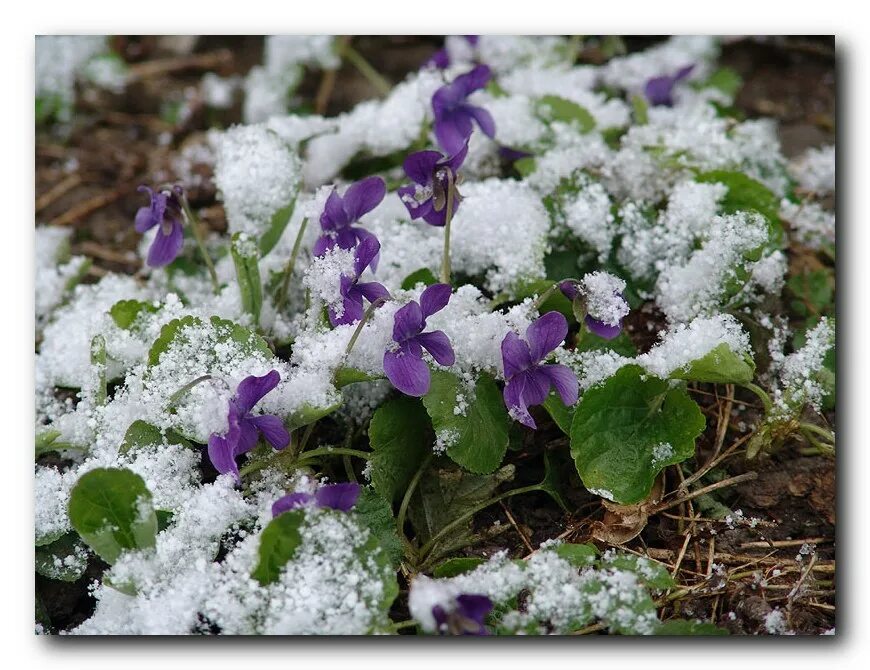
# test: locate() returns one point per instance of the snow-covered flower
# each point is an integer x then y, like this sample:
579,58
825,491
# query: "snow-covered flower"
403,362
352,291
244,428
605,303
466,617
528,379
441,58
454,114
164,211
341,497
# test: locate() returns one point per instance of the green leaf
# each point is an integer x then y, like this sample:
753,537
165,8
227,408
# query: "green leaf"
685,627
745,193
553,482
125,312
554,108
578,555
456,566
400,438
308,414
628,429
560,414
141,435
246,257
278,544
421,276
65,559
45,441
376,513
445,494
226,331
621,344
111,510
641,109
279,222
650,573
98,360
472,423
719,366
525,166
345,376
726,80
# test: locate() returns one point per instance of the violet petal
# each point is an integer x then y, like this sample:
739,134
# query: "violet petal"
342,496
607,331
363,196
166,247
407,322
515,355
563,380
252,389
545,334
290,502
438,344
407,371
273,430
434,298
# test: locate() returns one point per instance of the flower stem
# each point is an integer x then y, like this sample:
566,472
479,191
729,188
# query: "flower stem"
353,338
200,242
291,265
365,68
543,297
331,451
406,500
448,218
184,389
762,395
427,548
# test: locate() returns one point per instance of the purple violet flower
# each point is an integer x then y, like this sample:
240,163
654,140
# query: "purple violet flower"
427,196
659,90
608,331
528,379
441,58
340,213
164,211
404,363
466,617
454,114
352,291
244,428
341,497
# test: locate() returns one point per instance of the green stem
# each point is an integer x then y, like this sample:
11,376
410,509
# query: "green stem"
333,451
366,70
200,242
543,297
427,548
762,395
353,338
184,389
399,625
824,433
291,265
406,500
448,219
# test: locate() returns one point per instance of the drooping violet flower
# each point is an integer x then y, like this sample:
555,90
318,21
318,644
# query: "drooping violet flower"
510,155
528,379
604,301
659,90
403,362
340,213
165,212
432,173
466,617
454,114
341,497
352,291
244,428
441,58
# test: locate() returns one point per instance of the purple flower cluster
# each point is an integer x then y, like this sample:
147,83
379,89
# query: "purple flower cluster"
528,379
164,212
403,363
245,428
